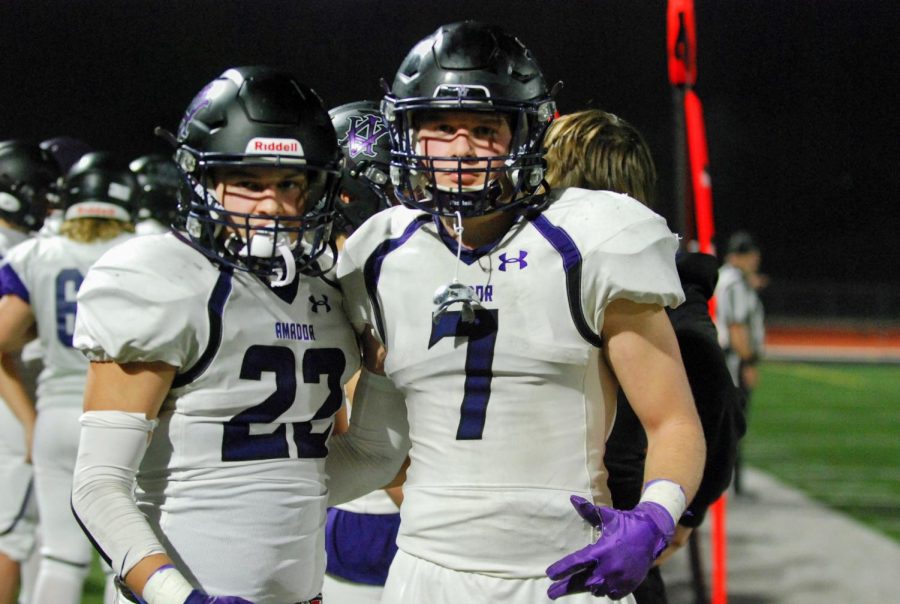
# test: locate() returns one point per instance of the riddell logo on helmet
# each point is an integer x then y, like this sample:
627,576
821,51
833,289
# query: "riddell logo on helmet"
281,146
95,211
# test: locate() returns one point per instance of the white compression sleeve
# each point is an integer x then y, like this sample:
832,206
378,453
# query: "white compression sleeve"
370,453
109,454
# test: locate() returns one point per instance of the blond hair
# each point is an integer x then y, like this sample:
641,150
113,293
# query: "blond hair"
593,149
88,230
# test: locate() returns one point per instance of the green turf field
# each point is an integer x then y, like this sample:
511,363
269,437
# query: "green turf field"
93,587
832,431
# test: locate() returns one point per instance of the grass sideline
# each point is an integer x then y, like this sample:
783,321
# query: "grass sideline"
832,431
829,430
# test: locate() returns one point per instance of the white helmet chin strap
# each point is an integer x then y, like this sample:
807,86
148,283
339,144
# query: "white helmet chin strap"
464,188
267,245
290,272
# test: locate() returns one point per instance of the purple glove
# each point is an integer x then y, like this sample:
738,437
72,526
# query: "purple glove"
198,597
615,565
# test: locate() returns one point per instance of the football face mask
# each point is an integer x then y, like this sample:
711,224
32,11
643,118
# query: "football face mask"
271,221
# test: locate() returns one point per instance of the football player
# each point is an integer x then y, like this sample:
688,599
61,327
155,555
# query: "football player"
593,149
38,284
218,359
505,316
361,535
27,178
158,181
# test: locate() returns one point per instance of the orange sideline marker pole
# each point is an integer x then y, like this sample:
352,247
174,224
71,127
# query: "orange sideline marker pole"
719,553
681,47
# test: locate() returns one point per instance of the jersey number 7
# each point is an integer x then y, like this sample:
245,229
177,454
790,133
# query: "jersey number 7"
482,335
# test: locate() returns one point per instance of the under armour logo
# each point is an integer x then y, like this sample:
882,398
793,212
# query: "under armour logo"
317,303
363,134
520,260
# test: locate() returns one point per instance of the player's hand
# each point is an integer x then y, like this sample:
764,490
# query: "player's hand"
166,585
198,597
615,565
682,534
749,375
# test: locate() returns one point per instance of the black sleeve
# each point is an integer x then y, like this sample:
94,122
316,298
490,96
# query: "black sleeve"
720,407
626,450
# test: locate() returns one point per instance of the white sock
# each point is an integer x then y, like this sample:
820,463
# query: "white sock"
59,583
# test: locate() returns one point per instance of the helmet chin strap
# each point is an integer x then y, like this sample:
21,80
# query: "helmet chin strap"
448,295
268,245
290,270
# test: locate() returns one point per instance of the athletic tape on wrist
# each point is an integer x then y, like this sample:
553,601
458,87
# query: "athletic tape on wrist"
166,585
668,494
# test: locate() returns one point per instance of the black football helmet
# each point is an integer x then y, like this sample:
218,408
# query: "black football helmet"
469,66
258,117
159,182
66,151
365,143
28,177
99,185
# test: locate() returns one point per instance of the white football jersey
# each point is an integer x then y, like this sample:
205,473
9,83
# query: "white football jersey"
46,272
15,474
150,226
508,414
10,238
233,480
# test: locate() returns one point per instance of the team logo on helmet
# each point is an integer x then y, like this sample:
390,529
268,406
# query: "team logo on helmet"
363,134
200,102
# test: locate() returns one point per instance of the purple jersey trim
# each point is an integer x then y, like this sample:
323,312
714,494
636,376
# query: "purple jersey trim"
372,268
215,310
571,257
11,284
467,256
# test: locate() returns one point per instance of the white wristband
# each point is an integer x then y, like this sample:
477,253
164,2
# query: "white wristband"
166,586
668,494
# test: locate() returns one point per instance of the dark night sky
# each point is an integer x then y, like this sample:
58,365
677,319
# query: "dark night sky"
803,128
